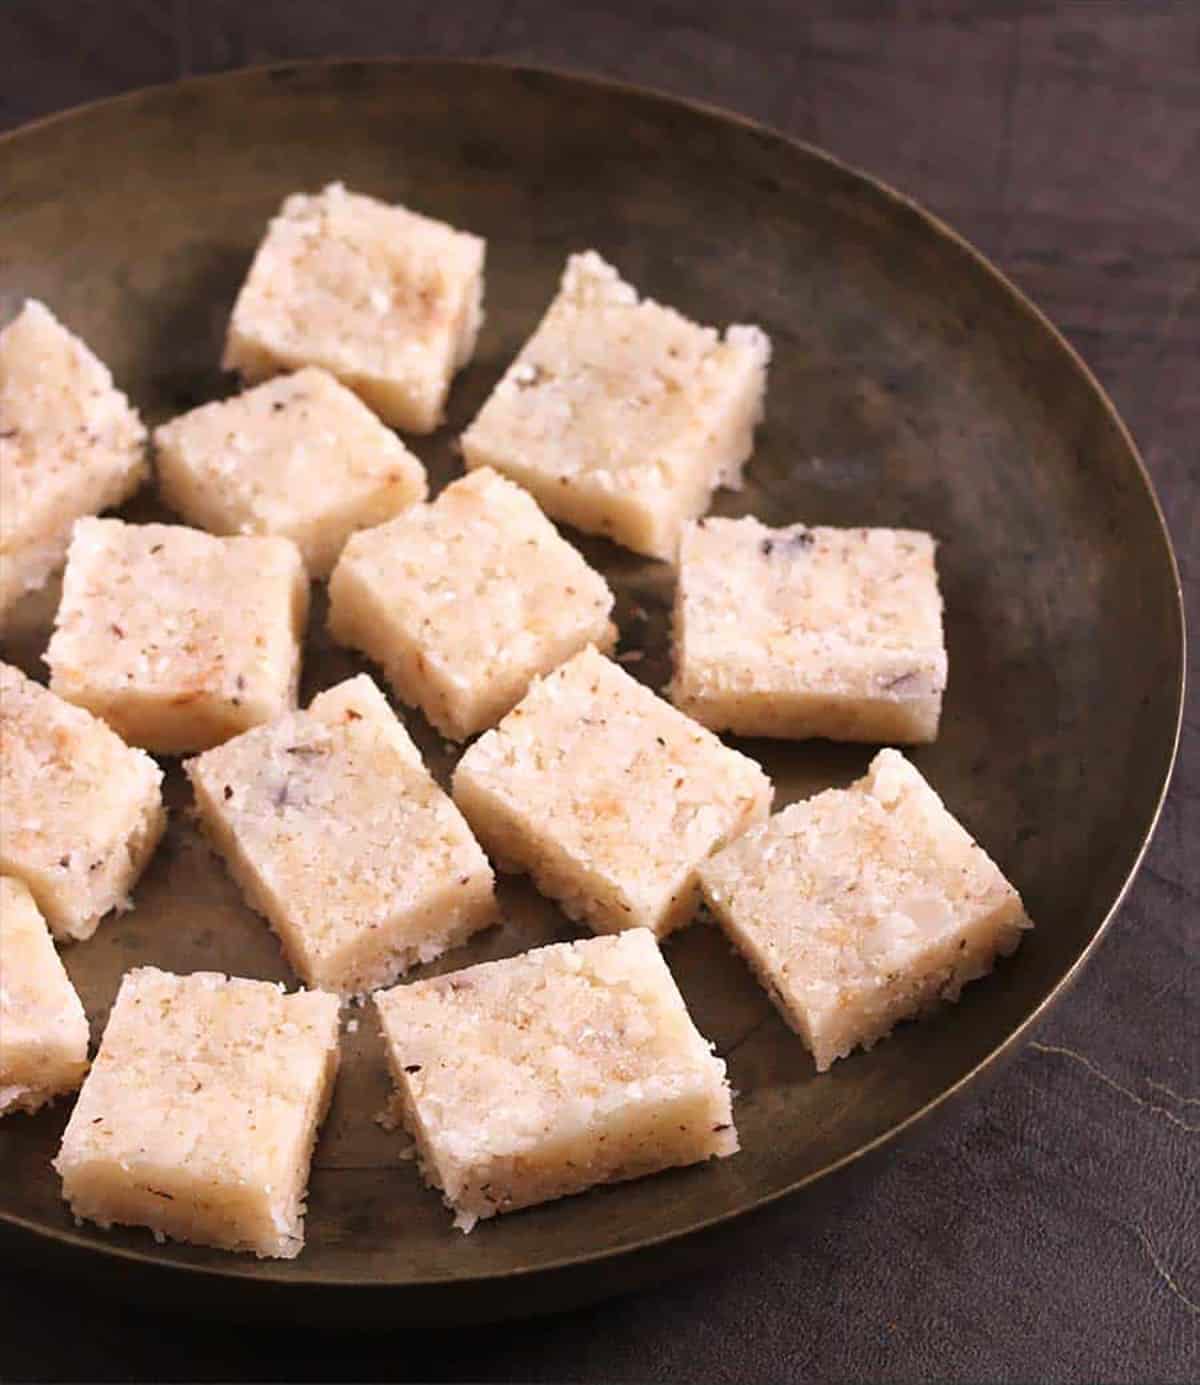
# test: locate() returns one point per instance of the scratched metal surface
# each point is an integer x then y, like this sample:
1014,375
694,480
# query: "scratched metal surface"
909,389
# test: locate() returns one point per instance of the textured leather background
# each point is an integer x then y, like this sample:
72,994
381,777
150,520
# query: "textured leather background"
1049,1230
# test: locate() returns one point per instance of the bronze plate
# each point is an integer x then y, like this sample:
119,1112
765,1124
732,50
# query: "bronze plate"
912,385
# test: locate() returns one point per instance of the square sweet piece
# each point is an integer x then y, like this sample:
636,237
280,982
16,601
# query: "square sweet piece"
545,1074
802,632
620,415
862,907
338,834
465,601
177,638
385,299
199,1116
300,456
70,445
82,811
43,1029
607,796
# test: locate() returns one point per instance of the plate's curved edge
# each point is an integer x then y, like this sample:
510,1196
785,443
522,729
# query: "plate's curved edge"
941,230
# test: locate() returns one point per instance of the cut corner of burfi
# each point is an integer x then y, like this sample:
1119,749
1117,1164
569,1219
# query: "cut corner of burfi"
360,698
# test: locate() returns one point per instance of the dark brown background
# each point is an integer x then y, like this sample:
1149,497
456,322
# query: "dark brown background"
1049,1231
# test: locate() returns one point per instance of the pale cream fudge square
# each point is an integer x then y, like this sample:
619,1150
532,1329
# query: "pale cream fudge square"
70,445
177,638
80,811
543,1075
199,1116
802,632
337,833
300,456
862,907
465,601
607,796
387,300
620,415
43,1029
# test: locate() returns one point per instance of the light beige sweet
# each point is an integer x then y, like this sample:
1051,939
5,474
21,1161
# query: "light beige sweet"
802,632
70,445
177,638
337,833
607,796
620,415
545,1074
463,602
80,811
300,456
862,907
43,1029
387,300
200,1113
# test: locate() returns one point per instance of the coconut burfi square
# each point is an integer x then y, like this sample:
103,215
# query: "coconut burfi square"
70,445
387,300
607,796
300,456
177,638
201,1110
43,1029
337,833
862,907
800,632
465,601
620,415
80,811
543,1075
